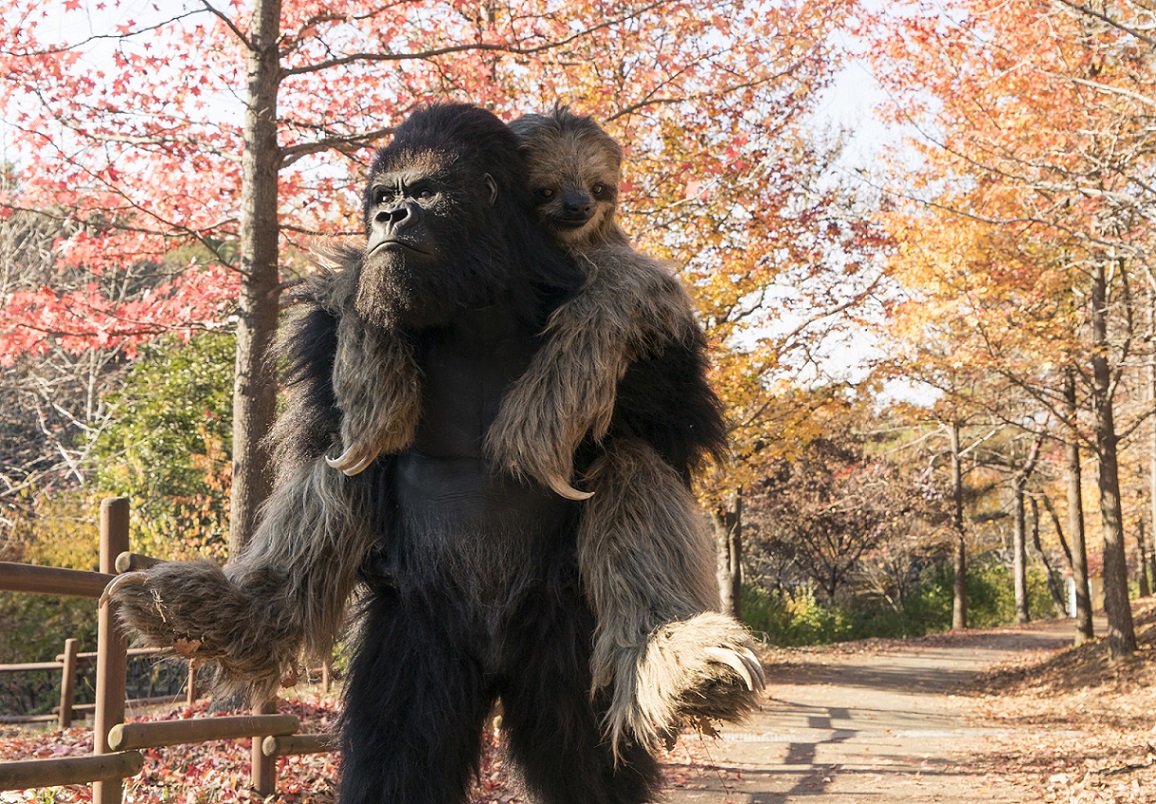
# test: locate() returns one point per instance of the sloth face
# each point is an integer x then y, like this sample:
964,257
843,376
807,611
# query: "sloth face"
574,171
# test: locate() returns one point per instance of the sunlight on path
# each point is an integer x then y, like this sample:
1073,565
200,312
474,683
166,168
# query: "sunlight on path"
863,727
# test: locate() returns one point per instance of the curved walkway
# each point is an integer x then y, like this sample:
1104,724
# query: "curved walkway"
878,725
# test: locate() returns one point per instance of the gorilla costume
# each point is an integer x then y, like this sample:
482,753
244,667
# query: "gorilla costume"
471,575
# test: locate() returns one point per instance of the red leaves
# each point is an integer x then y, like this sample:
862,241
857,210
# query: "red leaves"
87,317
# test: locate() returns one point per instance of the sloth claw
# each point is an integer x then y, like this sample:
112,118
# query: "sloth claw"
564,489
745,665
121,581
754,663
352,462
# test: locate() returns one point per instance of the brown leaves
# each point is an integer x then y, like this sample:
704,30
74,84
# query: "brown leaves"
1098,739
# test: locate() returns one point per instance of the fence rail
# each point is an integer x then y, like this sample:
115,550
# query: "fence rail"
68,663
112,760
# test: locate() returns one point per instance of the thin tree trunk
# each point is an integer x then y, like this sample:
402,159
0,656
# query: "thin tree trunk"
1019,540
254,390
1084,629
1121,632
1145,589
1051,576
1058,527
728,527
959,603
1148,558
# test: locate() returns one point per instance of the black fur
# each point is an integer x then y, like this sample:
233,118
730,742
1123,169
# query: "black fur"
666,401
472,590
304,430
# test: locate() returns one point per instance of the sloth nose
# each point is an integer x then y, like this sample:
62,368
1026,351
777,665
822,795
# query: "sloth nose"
578,204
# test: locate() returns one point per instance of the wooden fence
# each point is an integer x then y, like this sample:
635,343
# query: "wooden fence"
68,663
116,756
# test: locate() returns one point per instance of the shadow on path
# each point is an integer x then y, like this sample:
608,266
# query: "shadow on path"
881,721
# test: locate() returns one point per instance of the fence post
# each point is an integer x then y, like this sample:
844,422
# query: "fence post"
191,691
111,648
264,768
67,683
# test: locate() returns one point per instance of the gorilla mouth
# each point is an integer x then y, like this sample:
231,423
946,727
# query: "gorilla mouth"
399,244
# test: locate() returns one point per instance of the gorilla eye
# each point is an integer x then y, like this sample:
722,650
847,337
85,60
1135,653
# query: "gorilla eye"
545,193
382,195
425,193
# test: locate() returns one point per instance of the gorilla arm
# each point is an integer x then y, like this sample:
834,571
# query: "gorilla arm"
377,417
283,599
630,307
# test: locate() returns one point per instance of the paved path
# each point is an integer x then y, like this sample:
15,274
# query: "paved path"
864,727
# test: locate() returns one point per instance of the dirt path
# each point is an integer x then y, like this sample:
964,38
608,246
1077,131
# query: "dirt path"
878,725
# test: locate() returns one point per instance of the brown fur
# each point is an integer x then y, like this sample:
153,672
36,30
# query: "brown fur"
645,553
630,307
647,562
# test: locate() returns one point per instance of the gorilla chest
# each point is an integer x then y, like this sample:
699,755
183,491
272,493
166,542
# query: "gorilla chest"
444,484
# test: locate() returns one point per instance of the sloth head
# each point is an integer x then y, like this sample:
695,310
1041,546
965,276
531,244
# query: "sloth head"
574,171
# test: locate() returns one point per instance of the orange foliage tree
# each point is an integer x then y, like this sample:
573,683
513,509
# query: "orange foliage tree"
1035,205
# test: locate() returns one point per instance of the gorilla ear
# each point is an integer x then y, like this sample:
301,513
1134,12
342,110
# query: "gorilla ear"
493,185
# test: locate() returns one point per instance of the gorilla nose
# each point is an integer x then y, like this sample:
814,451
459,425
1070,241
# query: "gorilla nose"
397,215
393,216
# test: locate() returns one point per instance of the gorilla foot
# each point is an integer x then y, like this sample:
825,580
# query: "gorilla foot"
699,669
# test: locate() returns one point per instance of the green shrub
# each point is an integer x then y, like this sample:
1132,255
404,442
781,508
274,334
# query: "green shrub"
788,619
169,448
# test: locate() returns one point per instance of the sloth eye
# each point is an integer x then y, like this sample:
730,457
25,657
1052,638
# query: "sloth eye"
545,193
598,189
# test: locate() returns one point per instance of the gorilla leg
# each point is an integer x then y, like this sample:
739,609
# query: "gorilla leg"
552,728
414,705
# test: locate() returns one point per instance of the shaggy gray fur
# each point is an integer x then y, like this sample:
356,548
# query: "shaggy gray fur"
378,417
282,602
280,605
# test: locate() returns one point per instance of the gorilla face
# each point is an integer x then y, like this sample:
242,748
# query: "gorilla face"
449,224
424,215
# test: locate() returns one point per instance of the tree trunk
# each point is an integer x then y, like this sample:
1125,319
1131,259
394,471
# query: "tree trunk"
1019,557
1019,534
1148,558
1050,575
1084,630
255,389
1145,589
728,528
1121,633
959,605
